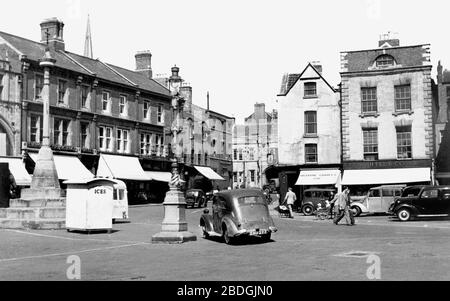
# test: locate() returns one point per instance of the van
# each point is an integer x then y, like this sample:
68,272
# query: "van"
377,200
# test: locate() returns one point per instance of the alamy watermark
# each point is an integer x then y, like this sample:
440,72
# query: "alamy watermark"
74,270
374,270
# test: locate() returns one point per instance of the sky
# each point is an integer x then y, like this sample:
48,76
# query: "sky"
238,50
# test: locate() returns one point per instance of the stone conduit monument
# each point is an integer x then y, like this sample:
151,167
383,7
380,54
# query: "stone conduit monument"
43,205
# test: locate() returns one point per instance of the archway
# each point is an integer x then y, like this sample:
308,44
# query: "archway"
6,138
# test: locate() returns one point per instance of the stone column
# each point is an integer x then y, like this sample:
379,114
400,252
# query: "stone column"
45,183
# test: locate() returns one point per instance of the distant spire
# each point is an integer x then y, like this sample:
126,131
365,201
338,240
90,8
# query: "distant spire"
88,41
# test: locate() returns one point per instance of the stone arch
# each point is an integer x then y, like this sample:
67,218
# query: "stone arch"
6,128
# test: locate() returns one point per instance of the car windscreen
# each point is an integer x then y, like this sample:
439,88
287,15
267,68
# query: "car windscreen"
251,200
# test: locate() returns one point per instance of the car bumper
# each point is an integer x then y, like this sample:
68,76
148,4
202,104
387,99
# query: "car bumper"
256,232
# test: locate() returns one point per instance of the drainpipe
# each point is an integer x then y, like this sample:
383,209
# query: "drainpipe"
342,135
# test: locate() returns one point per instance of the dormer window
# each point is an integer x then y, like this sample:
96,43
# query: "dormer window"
310,90
385,61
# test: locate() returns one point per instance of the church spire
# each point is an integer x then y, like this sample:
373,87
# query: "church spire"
88,41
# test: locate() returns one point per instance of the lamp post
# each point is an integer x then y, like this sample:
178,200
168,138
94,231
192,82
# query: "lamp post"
174,225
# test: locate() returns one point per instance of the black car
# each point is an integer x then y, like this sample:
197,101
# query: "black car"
431,201
407,192
196,198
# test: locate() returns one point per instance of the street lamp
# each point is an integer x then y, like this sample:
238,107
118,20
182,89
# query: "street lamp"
174,225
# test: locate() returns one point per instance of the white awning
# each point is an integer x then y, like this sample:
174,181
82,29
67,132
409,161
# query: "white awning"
68,167
209,173
17,169
319,177
121,167
161,176
386,176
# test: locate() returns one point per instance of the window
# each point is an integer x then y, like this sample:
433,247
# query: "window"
106,101
432,193
241,176
370,144
85,135
252,154
123,105
160,114
235,179
122,141
252,175
159,145
388,192
206,159
192,156
84,96
369,100
36,128
310,89
105,138
1,85
146,143
311,153
146,110
61,91
235,154
39,86
60,131
402,98
404,143
240,155
199,159
311,123
385,61
375,193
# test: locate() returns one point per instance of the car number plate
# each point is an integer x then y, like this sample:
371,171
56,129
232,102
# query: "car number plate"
258,232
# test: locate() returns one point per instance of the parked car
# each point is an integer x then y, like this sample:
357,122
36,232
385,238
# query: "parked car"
431,201
312,197
196,198
238,214
409,191
377,200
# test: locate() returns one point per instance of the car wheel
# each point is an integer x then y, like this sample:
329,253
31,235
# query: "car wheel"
404,214
308,210
228,240
356,211
266,237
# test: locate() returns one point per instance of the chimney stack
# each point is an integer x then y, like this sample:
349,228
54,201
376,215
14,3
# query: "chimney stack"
144,63
317,65
52,31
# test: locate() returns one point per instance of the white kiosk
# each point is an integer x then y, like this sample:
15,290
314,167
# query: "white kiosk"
92,204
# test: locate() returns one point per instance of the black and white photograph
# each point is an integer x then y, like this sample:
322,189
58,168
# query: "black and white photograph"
224,145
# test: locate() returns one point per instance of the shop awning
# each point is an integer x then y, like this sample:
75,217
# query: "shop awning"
68,167
161,176
386,176
17,169
121,167
319,177
209,173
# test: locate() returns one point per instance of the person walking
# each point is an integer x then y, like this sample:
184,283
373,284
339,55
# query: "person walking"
332,200
290,199
343,208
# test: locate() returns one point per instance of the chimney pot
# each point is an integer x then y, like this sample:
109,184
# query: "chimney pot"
144,63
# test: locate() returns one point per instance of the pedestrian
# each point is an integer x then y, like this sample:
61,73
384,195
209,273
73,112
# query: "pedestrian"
332,200
290,199
343,208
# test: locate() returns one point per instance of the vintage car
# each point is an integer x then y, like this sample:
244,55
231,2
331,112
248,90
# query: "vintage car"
195,198
433,201
238,214
313,197
407,192
377,200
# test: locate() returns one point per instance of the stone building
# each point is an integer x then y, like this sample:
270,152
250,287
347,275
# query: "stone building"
255,148
387,115
442,126
309,149
101,115
204,145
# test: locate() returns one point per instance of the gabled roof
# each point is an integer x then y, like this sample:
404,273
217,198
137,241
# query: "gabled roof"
292,81
84,65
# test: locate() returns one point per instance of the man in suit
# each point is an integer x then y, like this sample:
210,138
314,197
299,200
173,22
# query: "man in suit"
342,208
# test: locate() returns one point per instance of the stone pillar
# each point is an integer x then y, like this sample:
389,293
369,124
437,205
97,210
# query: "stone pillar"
45,183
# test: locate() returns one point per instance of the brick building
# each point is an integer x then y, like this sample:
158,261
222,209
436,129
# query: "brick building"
204,144
309,149
387,115
98,111
255,148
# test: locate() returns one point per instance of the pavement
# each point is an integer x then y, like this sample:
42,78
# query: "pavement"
304,248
